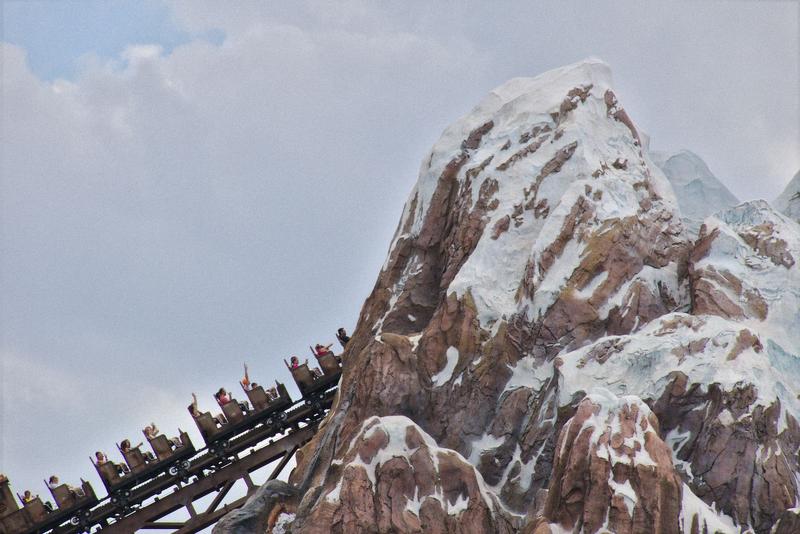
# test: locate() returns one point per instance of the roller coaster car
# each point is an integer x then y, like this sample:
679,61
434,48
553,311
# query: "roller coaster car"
13,518
308,383
165,449
34,516
175,463
135,459
330,364
266,411
258,398
232,411
66,497
207,425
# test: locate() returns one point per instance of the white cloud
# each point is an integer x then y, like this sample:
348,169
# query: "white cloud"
161,212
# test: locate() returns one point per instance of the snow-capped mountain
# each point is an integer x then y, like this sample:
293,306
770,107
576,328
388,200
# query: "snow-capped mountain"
548,350
699,192
788,202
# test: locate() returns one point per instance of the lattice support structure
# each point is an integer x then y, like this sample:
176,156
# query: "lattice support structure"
220,481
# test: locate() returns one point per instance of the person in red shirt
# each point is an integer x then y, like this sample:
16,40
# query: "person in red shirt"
222,397
321,350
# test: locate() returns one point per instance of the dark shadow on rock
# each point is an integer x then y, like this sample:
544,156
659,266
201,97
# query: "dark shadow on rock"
252,517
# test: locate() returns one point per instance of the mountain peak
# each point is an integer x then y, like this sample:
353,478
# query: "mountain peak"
555,82
698,191
541,274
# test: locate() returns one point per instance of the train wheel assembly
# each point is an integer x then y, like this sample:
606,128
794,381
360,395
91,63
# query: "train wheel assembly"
218,450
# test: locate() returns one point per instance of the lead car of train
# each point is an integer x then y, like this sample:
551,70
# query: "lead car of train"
145,475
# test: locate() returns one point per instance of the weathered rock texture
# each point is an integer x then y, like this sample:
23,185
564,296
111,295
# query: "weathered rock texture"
395,478
721,402
788,523
254,515
613,473
540,258
631,483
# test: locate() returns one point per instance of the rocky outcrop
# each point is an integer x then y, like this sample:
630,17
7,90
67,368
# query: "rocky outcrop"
724,398
613,473
393,477
536,226
723,382
539,259
744,267
788,523
257,513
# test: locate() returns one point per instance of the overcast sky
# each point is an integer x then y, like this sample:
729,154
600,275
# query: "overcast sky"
187,186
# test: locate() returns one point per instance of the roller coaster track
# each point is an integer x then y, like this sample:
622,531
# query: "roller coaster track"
209,473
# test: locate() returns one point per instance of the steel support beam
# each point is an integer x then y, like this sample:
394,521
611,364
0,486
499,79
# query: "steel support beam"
210,474
222,480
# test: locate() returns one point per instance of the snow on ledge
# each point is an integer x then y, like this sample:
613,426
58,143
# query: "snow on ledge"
645,361
443,377
395,427
708,519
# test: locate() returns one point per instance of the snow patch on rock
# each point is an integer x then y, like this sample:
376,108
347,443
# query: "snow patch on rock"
761,248
396,428
699,347
283,523
708,519
443,377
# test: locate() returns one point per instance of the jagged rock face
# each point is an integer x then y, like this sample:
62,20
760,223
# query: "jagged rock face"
540,256
788,523
723,382
613,473
699,193
744,267
257,510
788,202
536,226
631,484
726,399
393,477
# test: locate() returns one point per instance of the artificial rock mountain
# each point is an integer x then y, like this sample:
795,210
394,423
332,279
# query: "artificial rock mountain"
698,191
547,349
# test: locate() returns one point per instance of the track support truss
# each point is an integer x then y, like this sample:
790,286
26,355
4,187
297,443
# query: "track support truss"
220,481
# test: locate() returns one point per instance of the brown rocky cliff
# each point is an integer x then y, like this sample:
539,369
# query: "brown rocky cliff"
538,228
613,471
